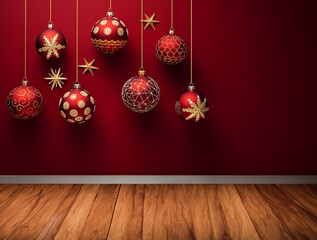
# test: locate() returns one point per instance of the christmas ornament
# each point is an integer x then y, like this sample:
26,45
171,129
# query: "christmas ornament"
171,49
140,93
77,105
88,66
24,102
191,105
55,78
149,21
51,43
109,34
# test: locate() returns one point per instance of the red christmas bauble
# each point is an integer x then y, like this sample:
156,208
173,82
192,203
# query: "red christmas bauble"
171,49
77,105
191,105
140,93
51,43
24,102
109,34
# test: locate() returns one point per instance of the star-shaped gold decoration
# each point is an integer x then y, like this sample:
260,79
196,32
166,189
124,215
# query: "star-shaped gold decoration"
149,21
197,110
51,46
56,78
88,66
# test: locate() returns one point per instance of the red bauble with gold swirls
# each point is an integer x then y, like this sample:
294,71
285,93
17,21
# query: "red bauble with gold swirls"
191,105
51,43
140,93
76,105
24,102
109,34
171,49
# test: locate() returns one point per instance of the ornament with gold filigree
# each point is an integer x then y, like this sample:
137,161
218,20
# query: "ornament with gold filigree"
77,105
51,43
191,105
109,34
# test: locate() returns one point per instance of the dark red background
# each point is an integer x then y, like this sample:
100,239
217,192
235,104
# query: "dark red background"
255,61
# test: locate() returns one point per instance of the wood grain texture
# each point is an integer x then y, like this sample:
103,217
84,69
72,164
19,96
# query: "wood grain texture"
127,218
158,212
74,222
265,221
302,224
98,222
219,229
13,212
239,223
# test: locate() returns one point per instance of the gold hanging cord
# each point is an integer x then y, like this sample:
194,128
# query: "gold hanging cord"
25,78
172,24
191,42
141,24
76,40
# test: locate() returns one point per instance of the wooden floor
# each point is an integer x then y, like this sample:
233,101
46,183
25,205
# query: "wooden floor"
158,212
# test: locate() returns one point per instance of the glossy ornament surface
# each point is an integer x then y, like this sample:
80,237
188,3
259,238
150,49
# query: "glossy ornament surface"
51,43
24,102
109,34
171,49
77,105
191,105
141,93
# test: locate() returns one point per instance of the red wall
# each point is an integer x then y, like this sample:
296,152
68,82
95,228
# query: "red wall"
255,61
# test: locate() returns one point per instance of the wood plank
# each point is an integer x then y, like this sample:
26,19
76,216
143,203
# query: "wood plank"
7,191
302,224
219,229
74,222
239,223
98,222
267,224
14,212
127,218
303,195
172,216
51,209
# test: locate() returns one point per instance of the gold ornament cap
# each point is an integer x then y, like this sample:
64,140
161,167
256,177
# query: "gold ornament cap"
110,13
141,72
171,31
50,25
25,82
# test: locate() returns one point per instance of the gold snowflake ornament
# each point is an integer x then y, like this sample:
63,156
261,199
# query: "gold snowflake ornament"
197,110
51,47
56,78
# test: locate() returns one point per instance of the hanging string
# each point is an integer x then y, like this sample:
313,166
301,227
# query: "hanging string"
50,22
191,42
141,35
76,40
110,4
25,78
172,24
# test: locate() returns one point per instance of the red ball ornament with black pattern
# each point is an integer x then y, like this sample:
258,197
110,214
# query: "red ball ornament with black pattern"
109,34
51,43
24,102
171,49
77,105
191,105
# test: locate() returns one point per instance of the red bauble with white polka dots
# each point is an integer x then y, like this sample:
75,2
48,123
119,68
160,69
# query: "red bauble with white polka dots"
51,43
77,105
171,49
109,34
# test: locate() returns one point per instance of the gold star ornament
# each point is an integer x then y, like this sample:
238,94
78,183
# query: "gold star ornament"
55,78
149,21
88,66
197,110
